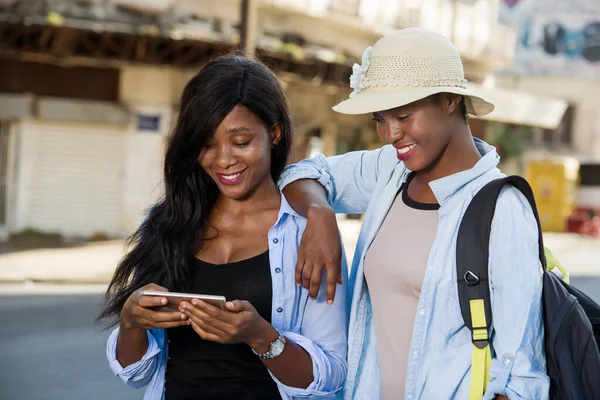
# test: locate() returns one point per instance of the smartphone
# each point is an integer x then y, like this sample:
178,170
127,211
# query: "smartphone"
174,298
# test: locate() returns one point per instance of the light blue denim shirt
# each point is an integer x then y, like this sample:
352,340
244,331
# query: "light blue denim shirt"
439,366
321,329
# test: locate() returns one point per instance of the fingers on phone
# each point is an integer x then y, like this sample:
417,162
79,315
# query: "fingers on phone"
155,287
172,324
152,301
164,319
166,316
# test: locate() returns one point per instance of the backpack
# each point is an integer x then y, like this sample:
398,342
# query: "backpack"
571,319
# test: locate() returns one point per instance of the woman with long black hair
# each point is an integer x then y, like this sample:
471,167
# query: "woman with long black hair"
223,228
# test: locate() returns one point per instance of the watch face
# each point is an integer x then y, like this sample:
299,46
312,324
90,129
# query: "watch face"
277,348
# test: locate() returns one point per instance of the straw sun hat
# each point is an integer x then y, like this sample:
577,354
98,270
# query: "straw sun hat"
406,66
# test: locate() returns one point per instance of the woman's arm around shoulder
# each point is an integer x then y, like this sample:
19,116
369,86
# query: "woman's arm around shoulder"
349,179
317,189
323,334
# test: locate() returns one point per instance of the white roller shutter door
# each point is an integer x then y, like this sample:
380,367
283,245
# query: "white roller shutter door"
77,180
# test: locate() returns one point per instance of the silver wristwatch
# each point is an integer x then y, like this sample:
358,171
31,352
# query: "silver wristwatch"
276,349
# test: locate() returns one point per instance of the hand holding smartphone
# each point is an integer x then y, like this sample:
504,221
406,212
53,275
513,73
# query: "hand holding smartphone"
175,298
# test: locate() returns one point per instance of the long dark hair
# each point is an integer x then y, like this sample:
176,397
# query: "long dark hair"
163,246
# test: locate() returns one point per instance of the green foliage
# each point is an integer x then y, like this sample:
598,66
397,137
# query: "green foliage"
509,139
30,238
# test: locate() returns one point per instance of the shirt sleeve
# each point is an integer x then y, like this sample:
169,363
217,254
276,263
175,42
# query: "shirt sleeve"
138,374
518,369
349,179
324,336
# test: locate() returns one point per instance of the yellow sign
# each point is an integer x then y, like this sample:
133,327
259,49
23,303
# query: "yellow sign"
553,184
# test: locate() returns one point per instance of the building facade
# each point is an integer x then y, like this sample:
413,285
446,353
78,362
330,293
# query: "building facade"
557,54
90,90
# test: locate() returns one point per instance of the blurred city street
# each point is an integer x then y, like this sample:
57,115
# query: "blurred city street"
91,91
51,350
50,347
93,263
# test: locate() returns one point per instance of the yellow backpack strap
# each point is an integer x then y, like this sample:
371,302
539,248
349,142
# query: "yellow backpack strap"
481,356
472,257
552,262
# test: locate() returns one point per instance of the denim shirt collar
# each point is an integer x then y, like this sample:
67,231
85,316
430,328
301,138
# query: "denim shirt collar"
445,187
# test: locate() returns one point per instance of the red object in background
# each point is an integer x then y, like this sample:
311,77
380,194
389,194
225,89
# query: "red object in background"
594,226
584,221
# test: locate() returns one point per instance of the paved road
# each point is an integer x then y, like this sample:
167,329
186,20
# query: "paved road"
590,285
51,350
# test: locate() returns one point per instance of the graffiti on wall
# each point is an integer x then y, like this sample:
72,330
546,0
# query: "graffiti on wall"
555,37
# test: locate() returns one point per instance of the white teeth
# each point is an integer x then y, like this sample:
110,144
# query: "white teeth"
405,150
230,177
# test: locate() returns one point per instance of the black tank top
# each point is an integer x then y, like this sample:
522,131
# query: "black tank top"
200,369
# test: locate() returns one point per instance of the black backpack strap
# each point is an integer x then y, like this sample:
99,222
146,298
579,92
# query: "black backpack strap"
472,255
472,247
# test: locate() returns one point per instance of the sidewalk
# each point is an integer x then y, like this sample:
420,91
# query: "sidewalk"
90,263
95,262
580,255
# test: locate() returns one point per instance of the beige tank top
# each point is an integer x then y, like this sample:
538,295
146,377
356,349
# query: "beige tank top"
395,266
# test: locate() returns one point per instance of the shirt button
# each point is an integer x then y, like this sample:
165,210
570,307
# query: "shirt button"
422,311
279,310
507,361
277,270
275,240
415,354
410,396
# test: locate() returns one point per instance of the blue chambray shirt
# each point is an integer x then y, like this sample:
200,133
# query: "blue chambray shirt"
319,328
439,366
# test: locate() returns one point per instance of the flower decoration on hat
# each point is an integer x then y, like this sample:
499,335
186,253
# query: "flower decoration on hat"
357,79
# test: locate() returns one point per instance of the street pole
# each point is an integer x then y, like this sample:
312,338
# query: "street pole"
249,14
453,21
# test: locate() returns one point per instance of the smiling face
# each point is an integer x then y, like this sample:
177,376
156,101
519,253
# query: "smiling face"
238,155
420,131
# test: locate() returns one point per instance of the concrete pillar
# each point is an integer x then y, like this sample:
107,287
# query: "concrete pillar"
329,137
595,145
248,26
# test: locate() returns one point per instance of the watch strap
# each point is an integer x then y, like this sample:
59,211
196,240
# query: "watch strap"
269,355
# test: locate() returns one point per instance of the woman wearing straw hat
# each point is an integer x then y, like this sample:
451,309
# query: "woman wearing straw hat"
407,337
